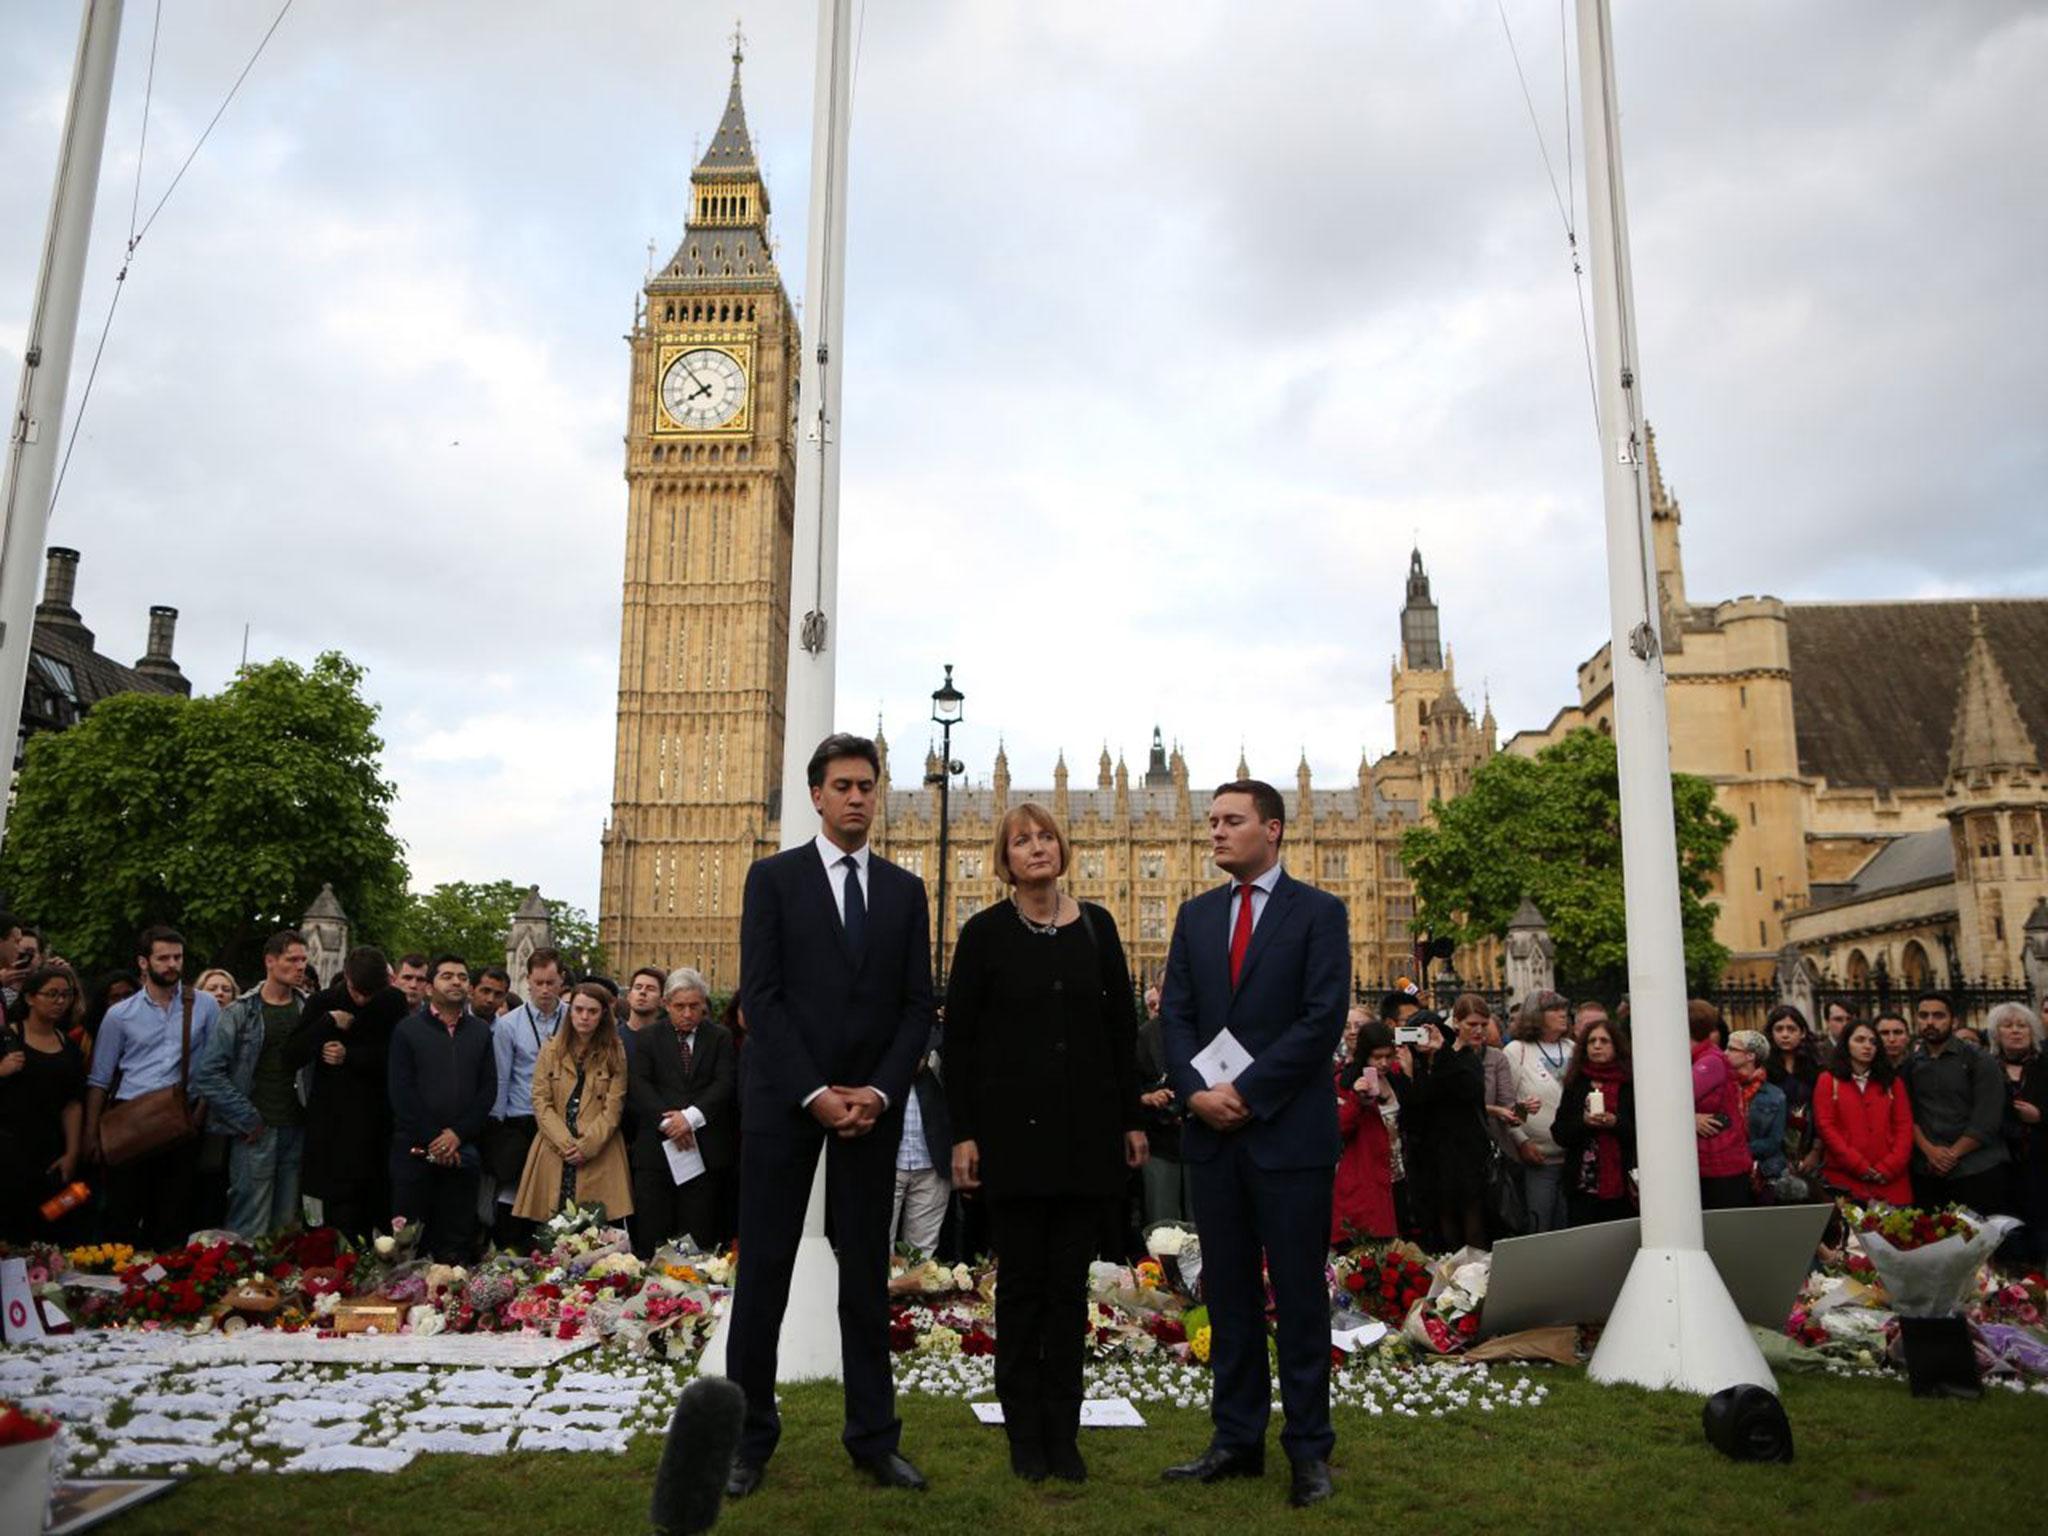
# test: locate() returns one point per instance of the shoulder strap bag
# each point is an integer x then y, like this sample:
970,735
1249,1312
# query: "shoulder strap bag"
163,1117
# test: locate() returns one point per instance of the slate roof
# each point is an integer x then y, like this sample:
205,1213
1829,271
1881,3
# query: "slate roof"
1917,859
730,148
67,676
1875,685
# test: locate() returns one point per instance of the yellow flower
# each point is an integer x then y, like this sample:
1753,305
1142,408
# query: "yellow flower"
1198,1346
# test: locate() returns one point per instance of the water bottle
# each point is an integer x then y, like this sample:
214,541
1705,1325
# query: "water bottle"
66,1200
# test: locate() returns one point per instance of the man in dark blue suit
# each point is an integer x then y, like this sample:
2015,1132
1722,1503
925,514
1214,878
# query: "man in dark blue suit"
1267,960
835,982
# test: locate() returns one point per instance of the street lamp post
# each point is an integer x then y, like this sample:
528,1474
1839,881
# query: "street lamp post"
946,710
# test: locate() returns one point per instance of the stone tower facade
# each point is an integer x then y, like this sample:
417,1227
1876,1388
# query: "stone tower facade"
1438,745
710,462
1997,815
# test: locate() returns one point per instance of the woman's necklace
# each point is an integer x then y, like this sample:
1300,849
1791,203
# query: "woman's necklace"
1564,1054
1048,928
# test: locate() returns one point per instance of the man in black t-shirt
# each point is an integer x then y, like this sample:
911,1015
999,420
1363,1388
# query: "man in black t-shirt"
248,1084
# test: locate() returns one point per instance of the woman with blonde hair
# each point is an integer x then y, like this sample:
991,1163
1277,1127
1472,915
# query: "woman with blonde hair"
220,984
1041,1081
579,1097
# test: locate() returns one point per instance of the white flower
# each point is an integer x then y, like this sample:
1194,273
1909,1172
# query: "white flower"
425,1321
385,1245
1166,1242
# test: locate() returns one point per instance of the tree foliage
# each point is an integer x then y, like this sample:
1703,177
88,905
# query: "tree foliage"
1550,827
220,815
471,919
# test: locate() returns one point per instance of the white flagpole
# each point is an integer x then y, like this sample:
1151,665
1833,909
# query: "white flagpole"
37,430
1674,1324
809,1348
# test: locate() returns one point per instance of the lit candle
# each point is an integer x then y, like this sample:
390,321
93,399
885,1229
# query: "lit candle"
1596,1101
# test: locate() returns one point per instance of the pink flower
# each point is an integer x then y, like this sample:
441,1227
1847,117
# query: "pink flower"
398,1224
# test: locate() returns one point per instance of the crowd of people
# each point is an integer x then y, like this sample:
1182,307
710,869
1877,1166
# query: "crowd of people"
416,1089
1454,1138
419,1089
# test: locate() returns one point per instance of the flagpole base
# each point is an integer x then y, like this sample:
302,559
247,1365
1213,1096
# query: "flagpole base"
809,1348
1675,1327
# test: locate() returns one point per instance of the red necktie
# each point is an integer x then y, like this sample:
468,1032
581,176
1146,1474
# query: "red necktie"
1241,935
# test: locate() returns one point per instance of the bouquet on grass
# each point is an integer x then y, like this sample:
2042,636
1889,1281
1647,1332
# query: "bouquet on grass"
1179,1252
1928,1261
1383,1280
577,1239
668,1318
1448,1318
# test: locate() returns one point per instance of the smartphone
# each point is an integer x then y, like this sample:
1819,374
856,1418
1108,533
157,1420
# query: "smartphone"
1411,1034
1369,1082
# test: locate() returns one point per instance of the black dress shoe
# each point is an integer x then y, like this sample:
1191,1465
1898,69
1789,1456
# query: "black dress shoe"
1027,1460
1311,1484
1064,1462
892,1471
744,1478
1215,1464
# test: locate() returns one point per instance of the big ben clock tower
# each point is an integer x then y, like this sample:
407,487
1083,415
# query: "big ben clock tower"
710,460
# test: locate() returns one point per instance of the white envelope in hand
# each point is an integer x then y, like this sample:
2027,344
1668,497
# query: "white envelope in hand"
684,1163
1221,1059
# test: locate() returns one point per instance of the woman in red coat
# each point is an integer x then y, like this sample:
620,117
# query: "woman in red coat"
1368,1110
1865,1121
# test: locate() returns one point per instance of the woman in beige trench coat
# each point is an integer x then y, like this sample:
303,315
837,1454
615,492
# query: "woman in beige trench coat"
579,1094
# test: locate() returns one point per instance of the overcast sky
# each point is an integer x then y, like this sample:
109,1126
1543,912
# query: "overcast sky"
1170,327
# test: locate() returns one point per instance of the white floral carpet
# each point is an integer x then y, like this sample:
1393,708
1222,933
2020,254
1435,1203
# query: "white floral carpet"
133,1402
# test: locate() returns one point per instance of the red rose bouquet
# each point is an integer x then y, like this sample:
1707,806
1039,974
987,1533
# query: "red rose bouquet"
18,1425
1383,1283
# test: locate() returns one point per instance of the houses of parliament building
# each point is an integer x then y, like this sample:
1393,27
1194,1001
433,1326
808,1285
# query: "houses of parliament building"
1882,760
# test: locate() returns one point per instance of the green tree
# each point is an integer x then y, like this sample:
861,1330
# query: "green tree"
471,919
221,815
1550,827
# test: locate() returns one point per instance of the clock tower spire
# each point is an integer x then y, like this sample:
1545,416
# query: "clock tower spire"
710,460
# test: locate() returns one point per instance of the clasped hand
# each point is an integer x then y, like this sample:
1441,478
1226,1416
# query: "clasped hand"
847,1112
1220,1108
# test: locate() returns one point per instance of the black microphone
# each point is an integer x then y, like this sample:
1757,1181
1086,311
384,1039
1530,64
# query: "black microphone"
703,1439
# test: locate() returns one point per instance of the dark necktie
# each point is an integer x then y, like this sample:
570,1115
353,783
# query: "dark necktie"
855,905
1241,935
683,1043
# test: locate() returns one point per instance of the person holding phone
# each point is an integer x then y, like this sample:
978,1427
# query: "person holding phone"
1719,1122
1370,1170
1452,1105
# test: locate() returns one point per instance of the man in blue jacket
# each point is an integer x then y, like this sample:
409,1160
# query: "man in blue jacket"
1257,979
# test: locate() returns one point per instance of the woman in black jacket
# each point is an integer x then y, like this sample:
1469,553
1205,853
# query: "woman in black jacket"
1041,1082
344,1037
1599,1143
1453,1142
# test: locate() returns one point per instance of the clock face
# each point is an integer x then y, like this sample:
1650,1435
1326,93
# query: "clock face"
704,388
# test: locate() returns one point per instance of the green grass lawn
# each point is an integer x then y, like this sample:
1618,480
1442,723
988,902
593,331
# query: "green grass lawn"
1869,1458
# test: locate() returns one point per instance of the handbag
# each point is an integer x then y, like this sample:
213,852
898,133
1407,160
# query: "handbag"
1507,1203
154,1121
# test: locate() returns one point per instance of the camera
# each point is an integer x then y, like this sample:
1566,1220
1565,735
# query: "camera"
1411,1034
